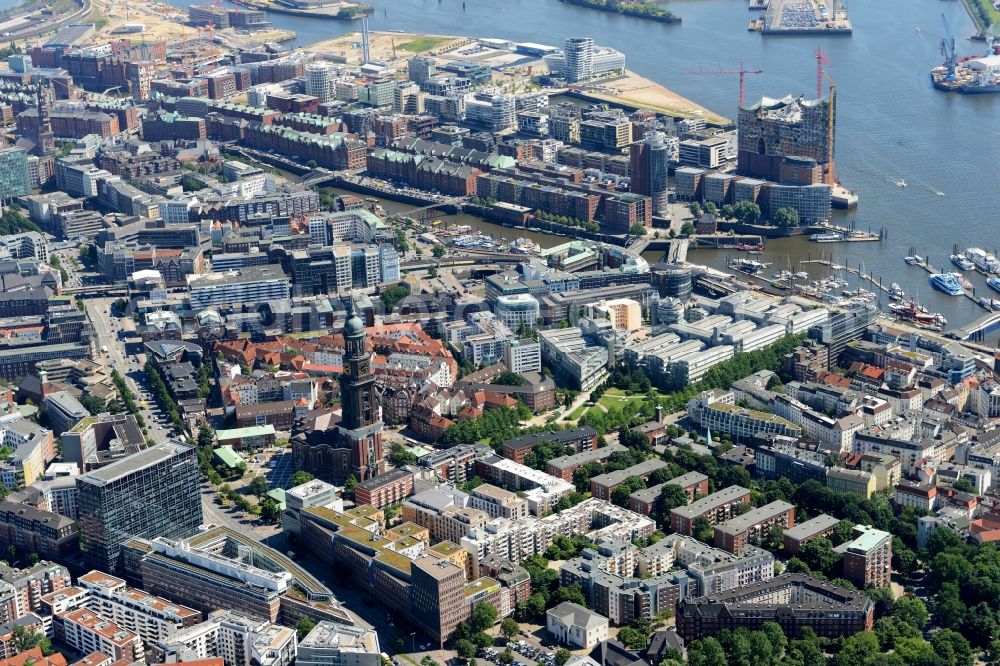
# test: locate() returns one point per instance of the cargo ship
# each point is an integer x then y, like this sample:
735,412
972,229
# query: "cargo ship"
970,75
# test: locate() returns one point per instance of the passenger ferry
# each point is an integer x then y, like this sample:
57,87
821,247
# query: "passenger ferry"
946,283
962,262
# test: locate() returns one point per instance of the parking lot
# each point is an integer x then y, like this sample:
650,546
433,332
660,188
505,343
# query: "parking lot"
280,470
525,653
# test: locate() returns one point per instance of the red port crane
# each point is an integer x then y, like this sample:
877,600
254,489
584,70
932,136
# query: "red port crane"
742,71
821,60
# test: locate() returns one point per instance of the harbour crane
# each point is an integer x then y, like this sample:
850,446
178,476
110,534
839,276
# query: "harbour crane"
742,71
948,50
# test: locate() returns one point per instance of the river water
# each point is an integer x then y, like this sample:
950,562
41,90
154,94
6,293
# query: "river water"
890,123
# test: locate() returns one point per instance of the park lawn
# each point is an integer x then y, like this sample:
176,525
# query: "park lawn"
596,411
421,44
610,401
577,413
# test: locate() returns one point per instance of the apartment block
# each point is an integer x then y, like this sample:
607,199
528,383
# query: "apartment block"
84,631
852,481
564,466
867,557
151,618
34,530
716,508
22,589
814,528
246,641
735,534
710,569
580,439
793,601
603,485
498,503
385,489
541,490
335,644
446,512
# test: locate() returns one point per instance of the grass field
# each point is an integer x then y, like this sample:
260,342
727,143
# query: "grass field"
614,397
577,413
977,8
421,44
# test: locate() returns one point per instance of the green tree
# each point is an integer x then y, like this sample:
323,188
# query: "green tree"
483,616
258,486
432,272
889,630
687,229
620,494
562,656
466,649
915,651
964,485
303,627
438,251
191,184
857,650
270,510
819,555
912,611
632,638
637,229
399,455
301,477
707,652
785,217
572,593
509,378
509,628
350,483
391,296
703,530
26,638
671,497
948,606
695,208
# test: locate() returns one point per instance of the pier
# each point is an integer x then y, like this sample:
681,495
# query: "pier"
981,325
968,293
876,282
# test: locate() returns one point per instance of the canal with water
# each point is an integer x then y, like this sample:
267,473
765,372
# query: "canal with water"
891,124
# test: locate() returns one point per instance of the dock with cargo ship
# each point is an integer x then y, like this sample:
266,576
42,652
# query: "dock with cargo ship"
972,76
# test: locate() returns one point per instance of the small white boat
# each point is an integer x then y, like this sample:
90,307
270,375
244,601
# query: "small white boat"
900,183
896,292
